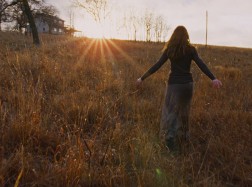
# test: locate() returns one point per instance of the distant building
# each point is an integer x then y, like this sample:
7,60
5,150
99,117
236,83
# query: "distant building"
48,24
71,31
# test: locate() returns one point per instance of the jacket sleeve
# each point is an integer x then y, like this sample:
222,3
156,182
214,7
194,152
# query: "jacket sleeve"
203,67
156,66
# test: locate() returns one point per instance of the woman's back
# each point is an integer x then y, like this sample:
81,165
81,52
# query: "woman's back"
180,66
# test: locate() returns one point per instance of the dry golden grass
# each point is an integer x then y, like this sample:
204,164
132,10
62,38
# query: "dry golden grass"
71,115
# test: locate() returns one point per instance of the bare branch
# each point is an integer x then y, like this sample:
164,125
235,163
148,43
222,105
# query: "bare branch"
98,9
6,5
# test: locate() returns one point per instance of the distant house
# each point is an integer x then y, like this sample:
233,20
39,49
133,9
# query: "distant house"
48,24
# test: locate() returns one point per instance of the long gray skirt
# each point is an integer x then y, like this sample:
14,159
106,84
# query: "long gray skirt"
174,124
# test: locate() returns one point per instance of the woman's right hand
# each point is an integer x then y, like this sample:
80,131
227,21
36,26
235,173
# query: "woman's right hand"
139,82
216,83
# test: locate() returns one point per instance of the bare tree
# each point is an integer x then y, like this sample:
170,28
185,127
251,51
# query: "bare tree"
4,4
165,32
46,9
160,28
134,21
5,13
129,24
126,26
148,22
98,9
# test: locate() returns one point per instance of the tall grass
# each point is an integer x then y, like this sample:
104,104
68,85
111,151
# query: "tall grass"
71,115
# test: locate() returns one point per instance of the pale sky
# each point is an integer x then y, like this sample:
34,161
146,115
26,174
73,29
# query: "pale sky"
229,21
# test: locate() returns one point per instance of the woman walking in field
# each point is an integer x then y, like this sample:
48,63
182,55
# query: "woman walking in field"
174,127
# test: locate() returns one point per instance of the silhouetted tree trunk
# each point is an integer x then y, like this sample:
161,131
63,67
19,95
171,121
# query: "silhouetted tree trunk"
31,21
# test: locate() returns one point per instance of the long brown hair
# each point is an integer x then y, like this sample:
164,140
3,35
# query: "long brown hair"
178,43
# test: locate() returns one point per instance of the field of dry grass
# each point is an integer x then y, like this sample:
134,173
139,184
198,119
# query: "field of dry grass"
71,115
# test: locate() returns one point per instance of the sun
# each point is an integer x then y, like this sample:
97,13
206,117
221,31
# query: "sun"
99,30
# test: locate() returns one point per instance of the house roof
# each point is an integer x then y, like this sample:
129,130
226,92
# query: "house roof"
48,16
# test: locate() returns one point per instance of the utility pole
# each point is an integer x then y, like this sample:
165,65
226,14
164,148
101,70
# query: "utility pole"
206,26
70,16
73,19
71,13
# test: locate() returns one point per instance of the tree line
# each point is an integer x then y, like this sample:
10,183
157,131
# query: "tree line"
151,26
133,24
